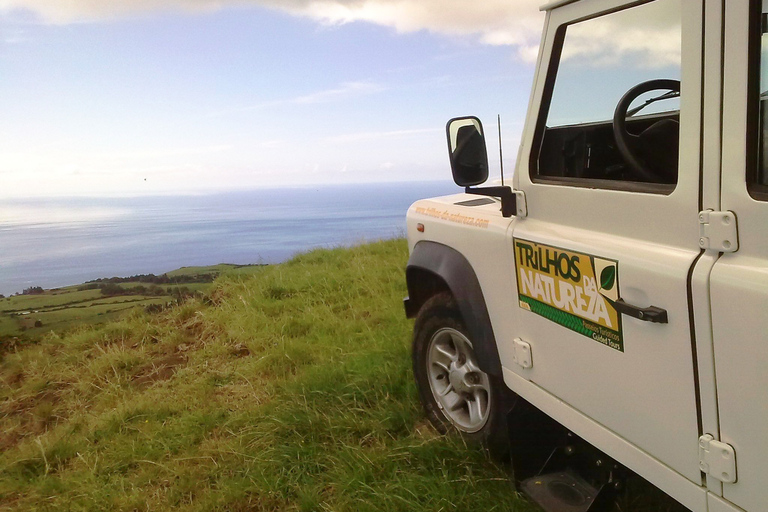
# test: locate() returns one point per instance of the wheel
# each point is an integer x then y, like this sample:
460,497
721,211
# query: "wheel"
455,393
652,155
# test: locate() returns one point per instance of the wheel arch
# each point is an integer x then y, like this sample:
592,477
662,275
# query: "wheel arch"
434,268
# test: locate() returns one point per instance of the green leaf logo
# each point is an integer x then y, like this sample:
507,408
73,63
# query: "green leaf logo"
608,278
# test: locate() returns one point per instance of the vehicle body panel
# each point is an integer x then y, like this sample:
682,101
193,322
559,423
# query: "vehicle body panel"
739,289
703,372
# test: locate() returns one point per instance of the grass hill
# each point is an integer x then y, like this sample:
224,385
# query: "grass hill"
25,317
285,388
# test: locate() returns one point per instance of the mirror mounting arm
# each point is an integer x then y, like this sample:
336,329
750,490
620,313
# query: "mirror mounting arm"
508,198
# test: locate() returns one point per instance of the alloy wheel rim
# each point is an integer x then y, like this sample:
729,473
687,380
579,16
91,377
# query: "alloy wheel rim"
460,388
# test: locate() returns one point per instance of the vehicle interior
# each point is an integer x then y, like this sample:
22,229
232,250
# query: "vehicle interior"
630,147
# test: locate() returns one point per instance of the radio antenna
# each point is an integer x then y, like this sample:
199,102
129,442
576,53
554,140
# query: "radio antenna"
501,156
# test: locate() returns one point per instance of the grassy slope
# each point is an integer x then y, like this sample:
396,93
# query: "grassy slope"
223,267
290,390
61,309
51,299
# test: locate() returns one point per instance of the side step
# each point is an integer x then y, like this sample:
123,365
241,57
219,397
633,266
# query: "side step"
563,491
556,469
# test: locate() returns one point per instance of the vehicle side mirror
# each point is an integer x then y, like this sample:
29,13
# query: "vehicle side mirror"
466,147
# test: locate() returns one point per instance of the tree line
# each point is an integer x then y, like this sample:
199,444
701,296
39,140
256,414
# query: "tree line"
153,279
114,289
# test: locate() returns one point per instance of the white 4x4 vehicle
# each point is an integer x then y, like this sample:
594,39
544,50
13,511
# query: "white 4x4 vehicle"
608,313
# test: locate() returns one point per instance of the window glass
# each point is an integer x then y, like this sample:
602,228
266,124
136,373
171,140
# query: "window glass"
600,61
760,179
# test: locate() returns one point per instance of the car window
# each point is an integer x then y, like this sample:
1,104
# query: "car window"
757,177
601,60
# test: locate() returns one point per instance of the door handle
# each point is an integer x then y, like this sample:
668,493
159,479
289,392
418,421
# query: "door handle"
649,314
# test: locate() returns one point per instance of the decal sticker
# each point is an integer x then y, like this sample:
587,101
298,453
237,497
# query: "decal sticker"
455,217
570,288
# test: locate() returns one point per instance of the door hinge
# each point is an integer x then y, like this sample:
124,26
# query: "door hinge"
717,459
522,206
718,231
521,353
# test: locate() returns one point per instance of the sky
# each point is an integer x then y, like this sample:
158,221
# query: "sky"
146,97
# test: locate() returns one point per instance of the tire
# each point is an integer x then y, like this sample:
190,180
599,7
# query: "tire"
456,395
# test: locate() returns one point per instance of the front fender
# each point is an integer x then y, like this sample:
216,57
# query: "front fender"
434,267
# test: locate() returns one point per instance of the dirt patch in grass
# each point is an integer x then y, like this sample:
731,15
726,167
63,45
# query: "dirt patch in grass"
240,350
159,370
29,415
10,344
13,378
9,440
30,402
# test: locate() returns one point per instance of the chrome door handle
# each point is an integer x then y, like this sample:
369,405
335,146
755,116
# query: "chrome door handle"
649,314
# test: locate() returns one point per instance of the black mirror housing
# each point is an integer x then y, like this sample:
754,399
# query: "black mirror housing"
467,151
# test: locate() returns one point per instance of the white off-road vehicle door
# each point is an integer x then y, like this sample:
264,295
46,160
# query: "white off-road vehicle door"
604,257
739,278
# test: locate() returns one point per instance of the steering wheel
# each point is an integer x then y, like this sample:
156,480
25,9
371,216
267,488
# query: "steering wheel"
629,145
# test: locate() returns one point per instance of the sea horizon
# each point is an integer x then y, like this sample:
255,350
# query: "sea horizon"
55,242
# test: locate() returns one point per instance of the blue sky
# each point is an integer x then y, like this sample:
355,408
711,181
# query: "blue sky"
162,96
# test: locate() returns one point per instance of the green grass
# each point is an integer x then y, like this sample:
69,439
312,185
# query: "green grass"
219,269
64,308
50,299
8,325
89,313
289,388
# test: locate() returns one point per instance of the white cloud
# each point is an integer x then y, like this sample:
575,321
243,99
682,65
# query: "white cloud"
515,23
342,91
498,22
14,37
647,36
356,137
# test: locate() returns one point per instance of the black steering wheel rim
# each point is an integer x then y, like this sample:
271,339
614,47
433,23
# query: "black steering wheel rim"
620,132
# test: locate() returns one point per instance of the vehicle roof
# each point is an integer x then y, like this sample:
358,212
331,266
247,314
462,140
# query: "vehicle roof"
555,3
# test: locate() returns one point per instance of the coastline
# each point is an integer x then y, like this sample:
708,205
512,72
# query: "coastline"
55,243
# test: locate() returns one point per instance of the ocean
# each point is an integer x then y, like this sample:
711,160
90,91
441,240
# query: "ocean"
65,241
